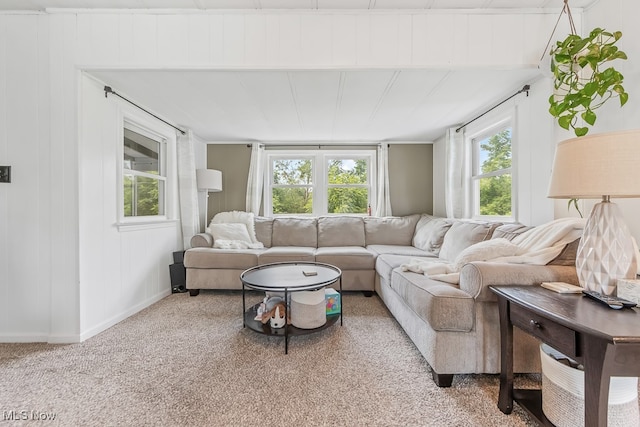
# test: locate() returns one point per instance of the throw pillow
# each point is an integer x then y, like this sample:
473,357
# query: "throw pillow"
235,217
430,236
233,231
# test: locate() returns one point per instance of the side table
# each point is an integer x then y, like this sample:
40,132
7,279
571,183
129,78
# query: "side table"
605,341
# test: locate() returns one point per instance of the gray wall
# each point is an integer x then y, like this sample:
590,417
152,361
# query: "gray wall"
410,177
233,161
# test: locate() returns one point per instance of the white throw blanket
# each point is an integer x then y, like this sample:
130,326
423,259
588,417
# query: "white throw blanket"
229,237
536,246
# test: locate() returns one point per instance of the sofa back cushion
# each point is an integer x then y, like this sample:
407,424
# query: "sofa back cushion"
295,232
430,233
340,231
390,230
264,229
463,234
509,231
568,255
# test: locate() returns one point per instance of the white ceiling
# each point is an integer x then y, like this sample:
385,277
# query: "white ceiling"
315,105
288,4
322,105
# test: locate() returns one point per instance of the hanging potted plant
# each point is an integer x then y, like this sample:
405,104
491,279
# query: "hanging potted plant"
583,79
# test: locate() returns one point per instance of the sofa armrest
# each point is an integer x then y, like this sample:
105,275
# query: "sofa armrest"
476,277
202,240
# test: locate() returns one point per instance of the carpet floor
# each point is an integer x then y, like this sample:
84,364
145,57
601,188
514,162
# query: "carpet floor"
188,361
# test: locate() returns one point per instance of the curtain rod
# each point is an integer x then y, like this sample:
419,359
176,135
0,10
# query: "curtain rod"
375,144
525,88
108,90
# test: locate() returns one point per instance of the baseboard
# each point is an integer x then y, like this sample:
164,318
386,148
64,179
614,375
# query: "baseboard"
23,338
121,316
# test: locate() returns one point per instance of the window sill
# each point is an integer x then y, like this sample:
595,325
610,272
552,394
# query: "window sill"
146,225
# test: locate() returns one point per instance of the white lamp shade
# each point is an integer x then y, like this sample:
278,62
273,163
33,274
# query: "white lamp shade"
209,179
590,167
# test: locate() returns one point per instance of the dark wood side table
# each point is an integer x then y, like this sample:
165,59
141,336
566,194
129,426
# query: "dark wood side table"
605,341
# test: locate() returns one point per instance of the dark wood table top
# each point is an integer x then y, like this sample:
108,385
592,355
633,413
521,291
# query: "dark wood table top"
577,312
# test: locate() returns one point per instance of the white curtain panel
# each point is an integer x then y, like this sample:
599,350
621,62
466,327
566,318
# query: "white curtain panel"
187,188
255,180
383,198
454,190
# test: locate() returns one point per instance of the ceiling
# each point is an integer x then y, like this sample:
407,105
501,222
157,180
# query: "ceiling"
313,105
288,4
322,105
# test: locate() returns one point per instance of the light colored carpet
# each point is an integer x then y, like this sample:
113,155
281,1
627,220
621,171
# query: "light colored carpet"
188,361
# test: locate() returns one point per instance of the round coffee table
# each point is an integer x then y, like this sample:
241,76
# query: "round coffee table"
288,277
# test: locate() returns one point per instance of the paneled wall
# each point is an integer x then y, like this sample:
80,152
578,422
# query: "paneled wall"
619,15
126,268
48,290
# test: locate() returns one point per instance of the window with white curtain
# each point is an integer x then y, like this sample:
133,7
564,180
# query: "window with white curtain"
492,173
319,182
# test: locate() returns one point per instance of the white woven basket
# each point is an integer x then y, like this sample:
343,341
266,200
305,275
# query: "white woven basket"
563,394
308,309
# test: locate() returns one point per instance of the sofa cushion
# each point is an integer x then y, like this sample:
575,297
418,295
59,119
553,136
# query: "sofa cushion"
346,257
568,255
443,306
264,229
340,231
386,263
463,234
286,254
295,232
240,259
509,231
390,230
431,234
399,250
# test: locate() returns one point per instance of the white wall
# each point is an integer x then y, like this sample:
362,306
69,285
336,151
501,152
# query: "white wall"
122,269
47,289
620,15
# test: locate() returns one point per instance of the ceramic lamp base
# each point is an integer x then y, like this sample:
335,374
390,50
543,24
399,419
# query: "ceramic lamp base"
606,251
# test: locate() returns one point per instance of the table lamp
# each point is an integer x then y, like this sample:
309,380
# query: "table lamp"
209,180
602,166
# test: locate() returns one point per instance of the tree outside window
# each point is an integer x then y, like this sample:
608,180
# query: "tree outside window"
492,174
143,174
320,182
348,189
292,191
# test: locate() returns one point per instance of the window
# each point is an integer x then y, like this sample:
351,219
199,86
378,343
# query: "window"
143,173
320,182
491,174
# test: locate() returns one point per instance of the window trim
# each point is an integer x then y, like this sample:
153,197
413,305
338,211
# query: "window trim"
320,173
166,138
488,128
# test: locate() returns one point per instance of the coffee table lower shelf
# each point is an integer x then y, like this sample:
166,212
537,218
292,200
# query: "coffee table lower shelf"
257,326
531,401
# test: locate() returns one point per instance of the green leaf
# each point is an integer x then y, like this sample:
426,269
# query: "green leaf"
624,97
564,122
589,117
581,131
590,88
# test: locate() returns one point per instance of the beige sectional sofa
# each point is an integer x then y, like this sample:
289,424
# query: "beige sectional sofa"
454,326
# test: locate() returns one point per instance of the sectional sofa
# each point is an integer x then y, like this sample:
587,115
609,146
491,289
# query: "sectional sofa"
454,325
